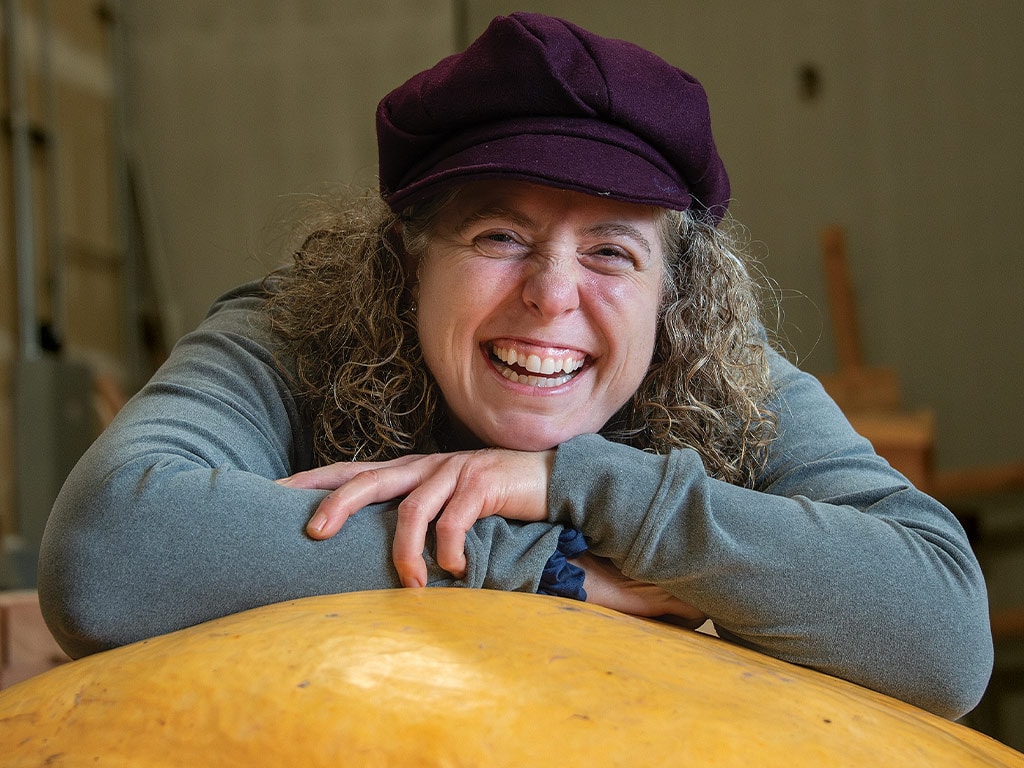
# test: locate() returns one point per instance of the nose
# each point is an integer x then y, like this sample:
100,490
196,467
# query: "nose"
551,287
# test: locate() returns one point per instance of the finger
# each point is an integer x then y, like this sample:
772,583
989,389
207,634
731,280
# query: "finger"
479,492
332,476
322,478
459,515
368,487
415,512
406,554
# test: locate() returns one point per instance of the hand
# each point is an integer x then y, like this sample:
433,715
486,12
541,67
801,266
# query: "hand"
606,586
455,488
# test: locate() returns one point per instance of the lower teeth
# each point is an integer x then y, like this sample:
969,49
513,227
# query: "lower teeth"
534,381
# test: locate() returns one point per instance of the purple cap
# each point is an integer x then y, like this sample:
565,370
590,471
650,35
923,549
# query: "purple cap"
540,99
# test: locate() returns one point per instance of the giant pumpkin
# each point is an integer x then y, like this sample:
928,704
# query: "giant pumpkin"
452,677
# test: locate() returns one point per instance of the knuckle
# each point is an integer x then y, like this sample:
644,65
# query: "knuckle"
475,477
370,476
448,525
411,507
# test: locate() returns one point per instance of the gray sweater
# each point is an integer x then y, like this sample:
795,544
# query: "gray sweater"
834,561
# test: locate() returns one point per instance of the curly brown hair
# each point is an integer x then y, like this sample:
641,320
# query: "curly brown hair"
345,316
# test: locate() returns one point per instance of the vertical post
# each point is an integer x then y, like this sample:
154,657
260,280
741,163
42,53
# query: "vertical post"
128,223
57,275
841,300
21,176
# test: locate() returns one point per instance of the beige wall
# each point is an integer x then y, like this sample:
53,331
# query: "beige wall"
230,108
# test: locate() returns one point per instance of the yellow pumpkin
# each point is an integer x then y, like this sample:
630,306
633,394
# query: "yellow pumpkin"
452,677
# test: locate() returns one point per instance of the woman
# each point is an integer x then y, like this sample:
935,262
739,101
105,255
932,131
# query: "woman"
537,365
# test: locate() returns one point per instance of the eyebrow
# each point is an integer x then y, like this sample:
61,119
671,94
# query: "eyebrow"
495,212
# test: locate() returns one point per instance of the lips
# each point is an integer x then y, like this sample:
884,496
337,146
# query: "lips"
534,368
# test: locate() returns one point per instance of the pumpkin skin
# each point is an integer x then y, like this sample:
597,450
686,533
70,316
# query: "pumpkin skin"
454,677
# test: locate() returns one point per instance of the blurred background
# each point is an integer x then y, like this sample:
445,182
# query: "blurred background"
154,154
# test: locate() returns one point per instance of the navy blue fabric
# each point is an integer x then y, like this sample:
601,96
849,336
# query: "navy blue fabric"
560,577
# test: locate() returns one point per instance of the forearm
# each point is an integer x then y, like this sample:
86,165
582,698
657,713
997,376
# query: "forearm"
160,545
886,595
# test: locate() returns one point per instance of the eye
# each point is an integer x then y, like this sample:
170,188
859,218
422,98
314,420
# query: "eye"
611,259
499,243
499,237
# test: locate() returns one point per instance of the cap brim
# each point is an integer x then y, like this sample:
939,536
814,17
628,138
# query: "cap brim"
581,164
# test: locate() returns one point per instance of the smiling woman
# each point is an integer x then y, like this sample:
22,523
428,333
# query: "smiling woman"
533,362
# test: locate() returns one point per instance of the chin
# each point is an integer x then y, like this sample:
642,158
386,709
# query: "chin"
527,445
532,441
520,430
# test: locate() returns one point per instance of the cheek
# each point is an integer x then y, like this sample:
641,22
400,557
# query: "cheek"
451,306
457,292
634,329
431,317
631,318
435,321
639,351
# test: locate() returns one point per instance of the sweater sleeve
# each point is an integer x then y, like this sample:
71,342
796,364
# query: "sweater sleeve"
172,516
834,561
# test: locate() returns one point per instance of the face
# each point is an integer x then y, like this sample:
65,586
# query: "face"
537,310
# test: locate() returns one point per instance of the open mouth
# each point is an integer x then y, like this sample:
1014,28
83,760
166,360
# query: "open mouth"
533,370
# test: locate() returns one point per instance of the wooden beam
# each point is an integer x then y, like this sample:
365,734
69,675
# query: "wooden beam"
998,478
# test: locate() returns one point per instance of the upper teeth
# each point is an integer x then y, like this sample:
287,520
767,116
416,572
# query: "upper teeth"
536,364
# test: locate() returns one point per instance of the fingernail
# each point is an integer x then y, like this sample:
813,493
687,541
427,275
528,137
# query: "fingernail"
317,523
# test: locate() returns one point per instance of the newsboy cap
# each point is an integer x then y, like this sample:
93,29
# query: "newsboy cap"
539,99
